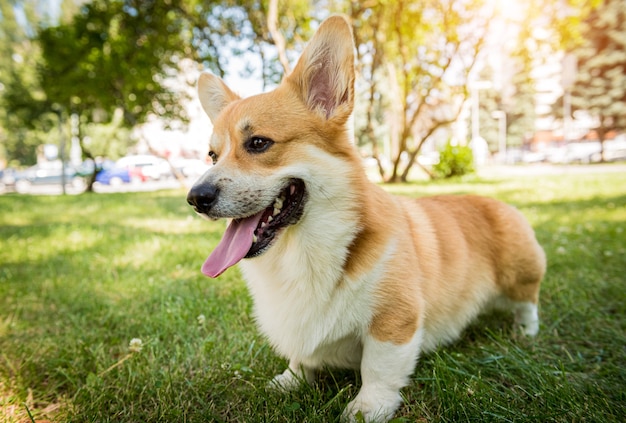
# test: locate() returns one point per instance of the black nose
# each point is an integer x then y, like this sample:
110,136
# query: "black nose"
202,197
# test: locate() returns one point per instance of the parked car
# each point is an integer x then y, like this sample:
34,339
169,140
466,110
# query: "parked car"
577,152
47,174
190,168
615,149
7,180
113,175
146,166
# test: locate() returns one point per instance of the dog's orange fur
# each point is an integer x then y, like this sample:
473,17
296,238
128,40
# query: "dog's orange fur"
468,248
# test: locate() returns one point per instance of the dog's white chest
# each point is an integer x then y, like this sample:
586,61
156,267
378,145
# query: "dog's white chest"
315,321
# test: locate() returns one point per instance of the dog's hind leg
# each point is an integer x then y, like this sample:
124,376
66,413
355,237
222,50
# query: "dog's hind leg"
523,301
520,291
385,369
525,313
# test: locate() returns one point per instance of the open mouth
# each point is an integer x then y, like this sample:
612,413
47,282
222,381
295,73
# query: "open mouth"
286,210
251,236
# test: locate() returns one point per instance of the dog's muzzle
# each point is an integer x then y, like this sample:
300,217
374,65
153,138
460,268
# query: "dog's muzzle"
202,197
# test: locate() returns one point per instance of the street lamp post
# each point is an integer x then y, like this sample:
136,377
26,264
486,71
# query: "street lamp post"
59,111
501,116
478,144
568,77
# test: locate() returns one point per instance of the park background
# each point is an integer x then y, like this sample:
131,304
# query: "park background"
517,81
104,315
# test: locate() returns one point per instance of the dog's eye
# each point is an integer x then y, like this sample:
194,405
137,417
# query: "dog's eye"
213,157
258,144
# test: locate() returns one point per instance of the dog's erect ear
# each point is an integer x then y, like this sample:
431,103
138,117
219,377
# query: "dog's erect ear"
214,95
324,74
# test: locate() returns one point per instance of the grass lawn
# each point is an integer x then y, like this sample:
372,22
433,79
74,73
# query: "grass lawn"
81,276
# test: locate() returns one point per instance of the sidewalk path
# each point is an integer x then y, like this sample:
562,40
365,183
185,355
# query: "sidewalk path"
491,171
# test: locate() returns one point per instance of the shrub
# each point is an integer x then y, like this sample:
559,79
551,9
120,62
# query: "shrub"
454,160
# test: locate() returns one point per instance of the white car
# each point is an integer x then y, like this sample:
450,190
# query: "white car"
150,167
191,168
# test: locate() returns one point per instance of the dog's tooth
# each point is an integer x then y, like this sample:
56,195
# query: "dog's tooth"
278,203
254,238
269,219
263,224
276,211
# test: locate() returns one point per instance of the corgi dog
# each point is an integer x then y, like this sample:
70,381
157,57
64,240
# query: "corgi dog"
342,273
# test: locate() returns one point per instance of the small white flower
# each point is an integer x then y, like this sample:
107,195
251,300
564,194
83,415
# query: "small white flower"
201,319
608,253
561,250
135,345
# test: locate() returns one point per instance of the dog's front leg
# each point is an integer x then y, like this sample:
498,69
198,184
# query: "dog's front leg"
292,378
385,369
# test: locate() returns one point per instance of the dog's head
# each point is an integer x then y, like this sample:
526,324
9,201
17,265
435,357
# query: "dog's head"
269,150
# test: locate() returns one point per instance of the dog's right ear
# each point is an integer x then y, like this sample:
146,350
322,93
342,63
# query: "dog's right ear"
324,75
214,95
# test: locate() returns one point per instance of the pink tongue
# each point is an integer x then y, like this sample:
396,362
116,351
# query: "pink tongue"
233,247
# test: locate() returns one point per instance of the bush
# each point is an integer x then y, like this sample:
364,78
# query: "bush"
454,160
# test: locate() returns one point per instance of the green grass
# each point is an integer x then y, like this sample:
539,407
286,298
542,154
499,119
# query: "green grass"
80,276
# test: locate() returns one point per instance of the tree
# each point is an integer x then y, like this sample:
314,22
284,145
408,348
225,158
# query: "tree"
538,30
422,53
115,55
277,30
517,96
490,99
25,122
124,55
228,29
115,58
600,85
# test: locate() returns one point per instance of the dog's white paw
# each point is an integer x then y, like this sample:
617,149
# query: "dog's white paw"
372,407
285,382
527,318
530,328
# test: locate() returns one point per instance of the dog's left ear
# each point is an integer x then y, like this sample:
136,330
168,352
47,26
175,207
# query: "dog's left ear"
214,94
324,75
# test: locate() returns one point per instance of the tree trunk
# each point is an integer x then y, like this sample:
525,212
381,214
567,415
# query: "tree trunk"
602,158
90,179
394,179
601,137
279,40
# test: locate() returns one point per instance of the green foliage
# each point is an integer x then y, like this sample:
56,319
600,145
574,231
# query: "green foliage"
25,122
516,97
454,160
295,18
111,139
416,58
82,276
101,56
115,55
600,86
105,56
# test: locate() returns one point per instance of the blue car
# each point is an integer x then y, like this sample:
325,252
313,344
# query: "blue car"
113,176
